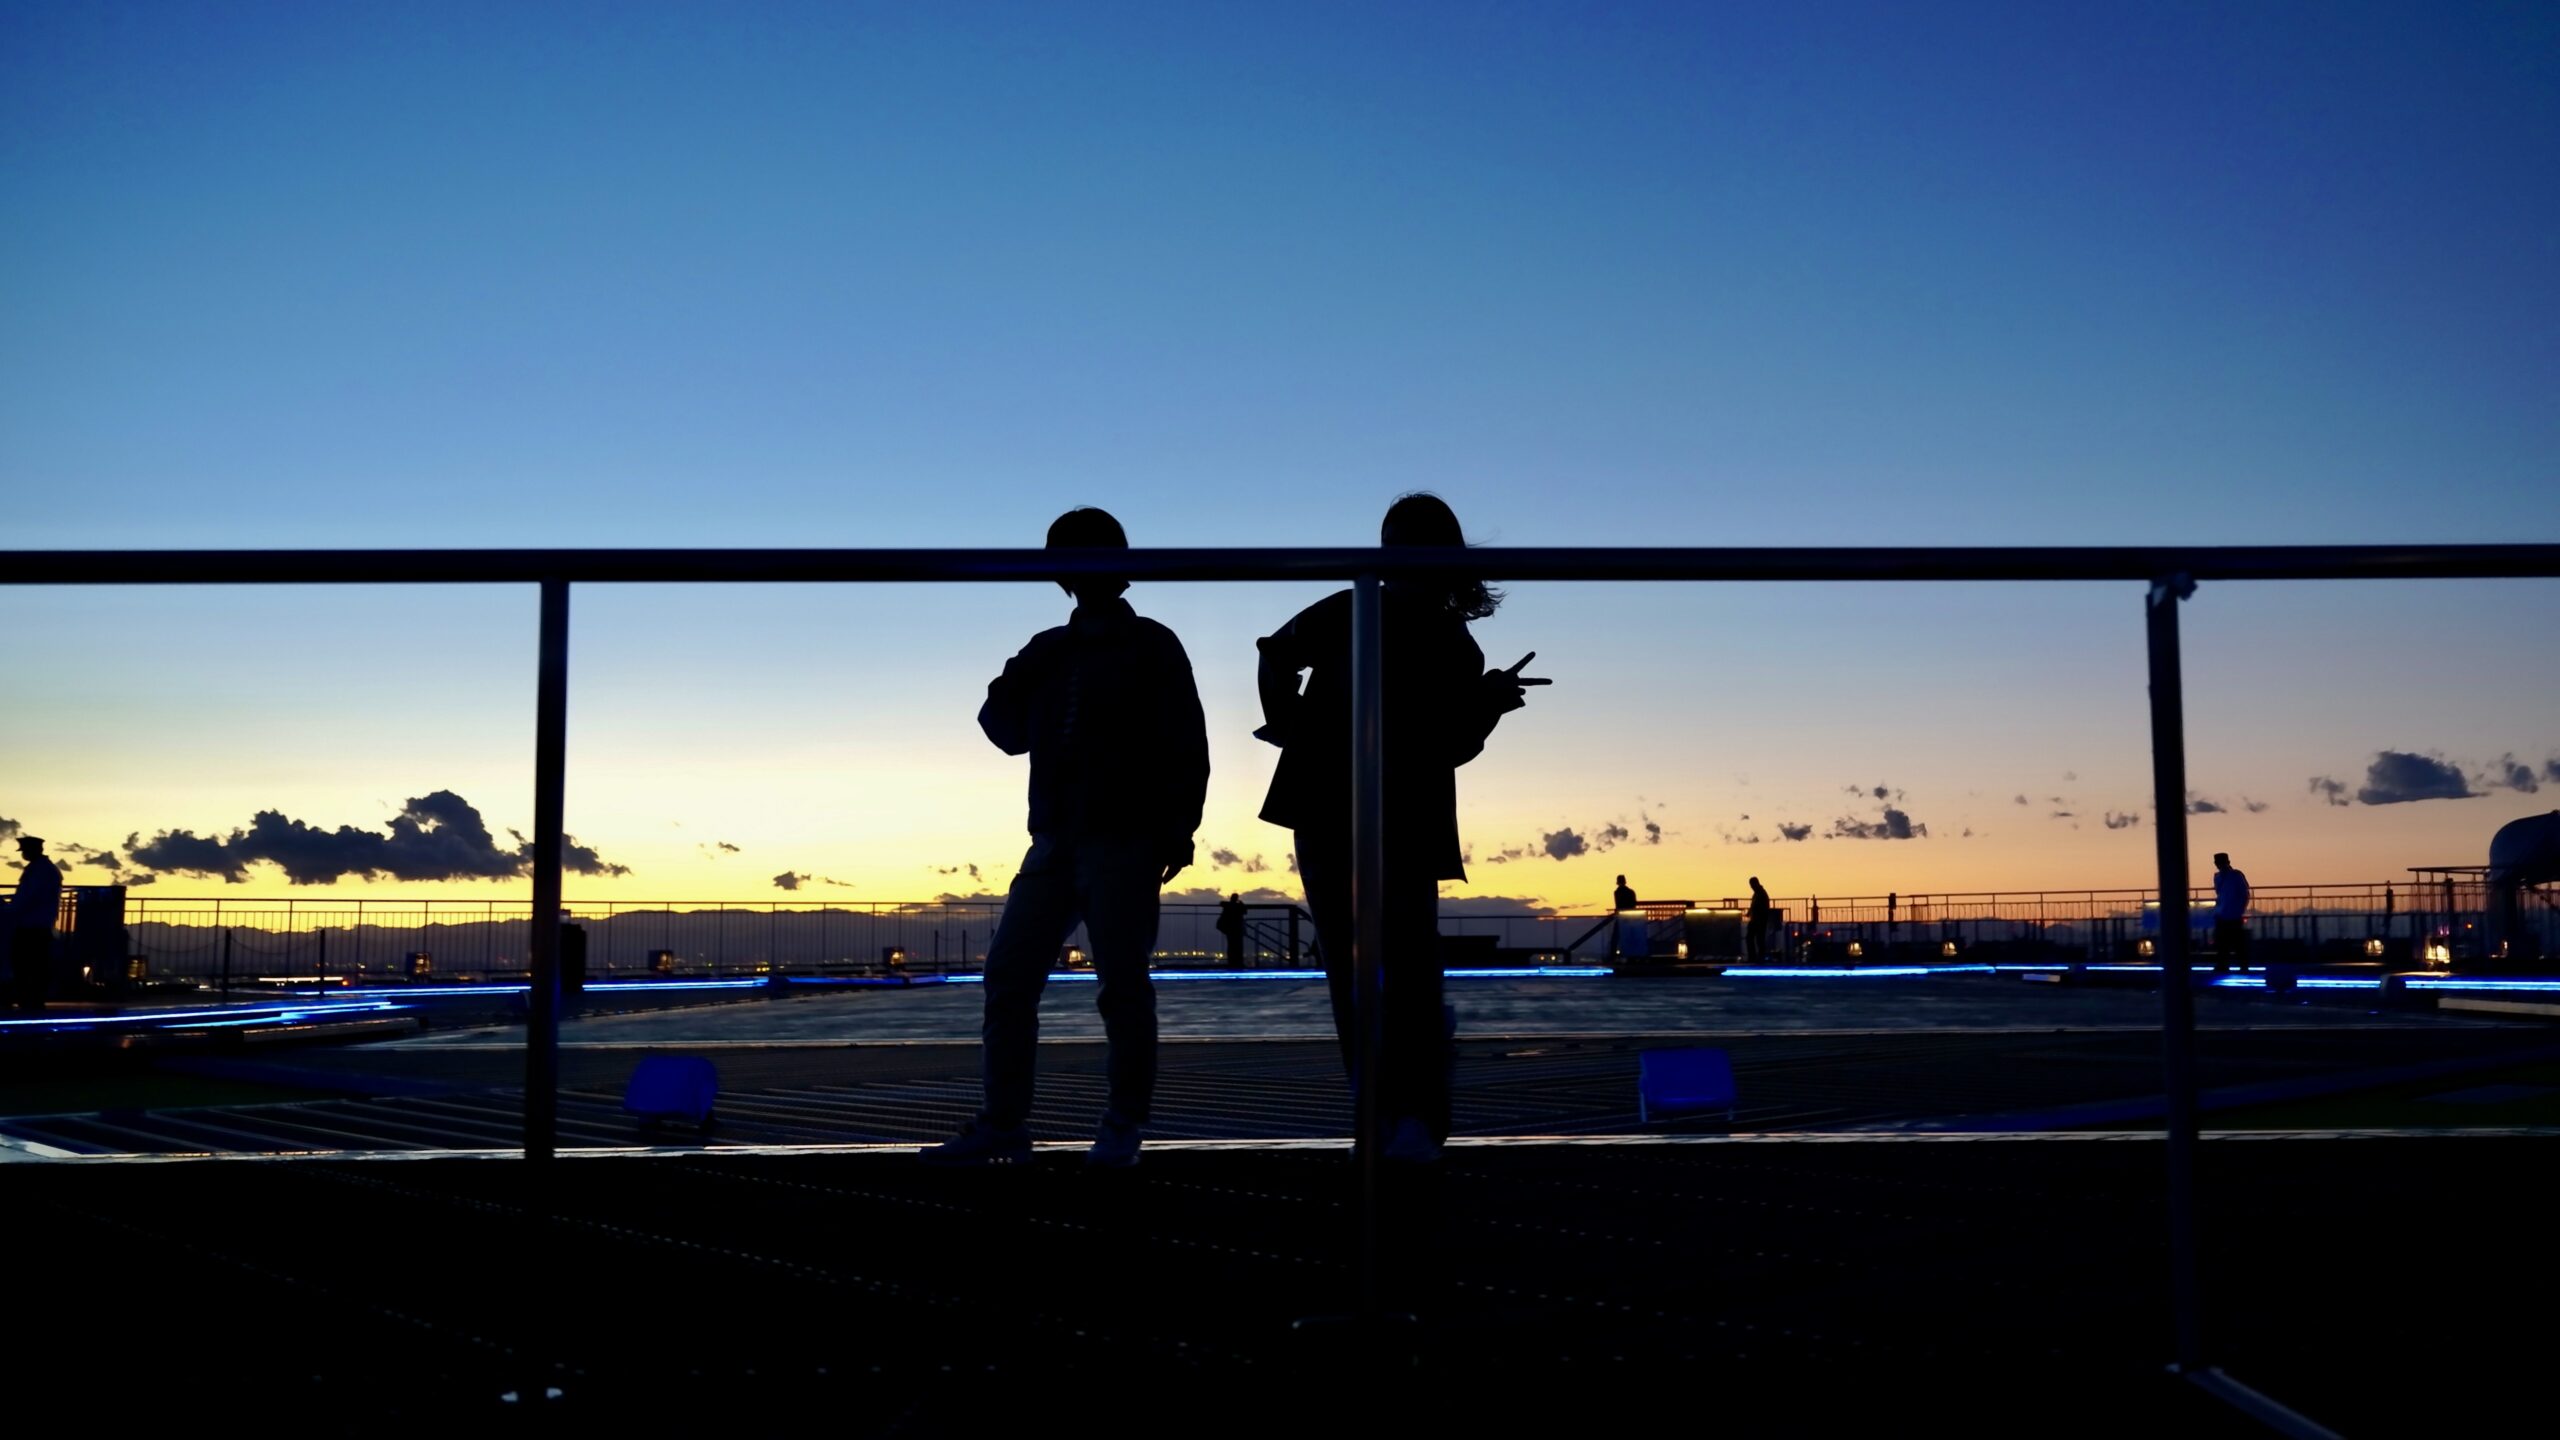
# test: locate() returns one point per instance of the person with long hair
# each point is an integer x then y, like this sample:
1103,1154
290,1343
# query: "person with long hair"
1441,705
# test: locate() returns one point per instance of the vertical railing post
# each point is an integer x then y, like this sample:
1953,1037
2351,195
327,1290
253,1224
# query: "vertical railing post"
550,762
2177,995
1368,901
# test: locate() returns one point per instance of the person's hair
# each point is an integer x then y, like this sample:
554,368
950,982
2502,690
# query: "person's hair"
1622,879
2221,857
1089,527
1755,879
1424,519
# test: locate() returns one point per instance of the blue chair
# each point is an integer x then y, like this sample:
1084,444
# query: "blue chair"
667,1088
1683,1082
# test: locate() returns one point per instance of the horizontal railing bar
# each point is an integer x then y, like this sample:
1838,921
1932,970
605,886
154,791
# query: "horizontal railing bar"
1631,563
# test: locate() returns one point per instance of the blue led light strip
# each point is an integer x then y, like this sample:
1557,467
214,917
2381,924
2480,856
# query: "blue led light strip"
1808,972
206,1018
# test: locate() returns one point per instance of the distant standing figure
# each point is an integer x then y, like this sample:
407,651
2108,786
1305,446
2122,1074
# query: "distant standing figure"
1755,929
1441,706
31,915
1106,707
1231,925
2230,916
1628,926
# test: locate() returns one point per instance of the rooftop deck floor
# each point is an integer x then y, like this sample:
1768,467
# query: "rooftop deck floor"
1975,1286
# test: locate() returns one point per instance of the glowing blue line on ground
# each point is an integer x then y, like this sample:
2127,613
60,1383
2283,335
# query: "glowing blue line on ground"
1808,972
2456,982
208,1017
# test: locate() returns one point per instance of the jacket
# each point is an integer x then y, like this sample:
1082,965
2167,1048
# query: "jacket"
1106,707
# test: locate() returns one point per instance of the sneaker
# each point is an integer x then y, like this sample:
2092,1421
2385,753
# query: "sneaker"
1410,1144
979,1143
1115,1146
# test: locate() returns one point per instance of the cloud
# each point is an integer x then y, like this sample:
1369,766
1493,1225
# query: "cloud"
1212,895
1509,853
2397,777
1894,825
2198,805
964,869
2254,807
1563,844
1495,906
2551,771
2334,791
1794,832
438,836
2511,773
794,879
1611,834
10,829
2021,800
1223,858
1730,838
1653,827
717,848
1293,862
2117,820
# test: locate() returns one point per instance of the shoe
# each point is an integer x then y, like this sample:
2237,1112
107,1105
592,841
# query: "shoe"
1410,1144
979,1143
1115,1147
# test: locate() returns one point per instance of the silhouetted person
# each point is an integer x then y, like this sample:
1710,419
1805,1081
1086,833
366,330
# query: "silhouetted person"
1624,897
1623,900
2230,916
1231,925
1755,928
1441,704
32,911
1106,708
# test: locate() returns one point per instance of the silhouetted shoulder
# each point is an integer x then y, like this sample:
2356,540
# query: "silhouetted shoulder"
1323,626
1161,638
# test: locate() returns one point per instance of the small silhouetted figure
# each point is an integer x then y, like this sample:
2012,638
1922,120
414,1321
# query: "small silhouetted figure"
1628,925
2230,916
32,911
1231,925
1755,929
1106,708
1441,704
1624,897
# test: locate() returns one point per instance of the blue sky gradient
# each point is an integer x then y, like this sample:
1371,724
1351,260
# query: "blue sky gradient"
1751,275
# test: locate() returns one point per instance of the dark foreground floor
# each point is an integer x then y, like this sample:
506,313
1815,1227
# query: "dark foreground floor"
1806,1287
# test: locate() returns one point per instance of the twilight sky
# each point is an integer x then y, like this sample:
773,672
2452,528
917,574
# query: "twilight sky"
629,274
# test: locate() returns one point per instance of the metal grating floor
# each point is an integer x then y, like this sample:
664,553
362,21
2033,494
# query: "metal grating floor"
416,1099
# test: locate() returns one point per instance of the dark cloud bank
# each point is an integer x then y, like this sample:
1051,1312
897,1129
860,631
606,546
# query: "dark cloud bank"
434,837
2400,777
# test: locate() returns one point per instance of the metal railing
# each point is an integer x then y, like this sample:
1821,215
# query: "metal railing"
213,939
2169,576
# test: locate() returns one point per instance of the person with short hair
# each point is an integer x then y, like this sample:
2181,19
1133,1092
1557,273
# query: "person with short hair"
32,912
1106,708
2230,915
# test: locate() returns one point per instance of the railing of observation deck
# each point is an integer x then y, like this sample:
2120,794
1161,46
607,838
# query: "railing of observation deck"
2168,574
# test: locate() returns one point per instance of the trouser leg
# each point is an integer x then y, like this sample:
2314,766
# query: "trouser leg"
1325,867
1415,1065
1118,887
1039,911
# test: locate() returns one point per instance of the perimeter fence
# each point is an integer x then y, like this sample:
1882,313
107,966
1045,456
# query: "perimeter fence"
210,940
